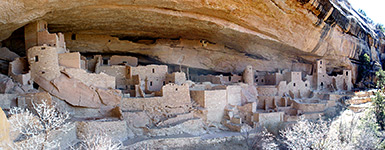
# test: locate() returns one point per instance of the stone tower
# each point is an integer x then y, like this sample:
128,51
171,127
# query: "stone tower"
43,61
248,75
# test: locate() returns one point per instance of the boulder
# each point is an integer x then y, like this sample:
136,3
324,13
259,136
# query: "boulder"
116,130
7,100
7,55
6,84
77,93
5,140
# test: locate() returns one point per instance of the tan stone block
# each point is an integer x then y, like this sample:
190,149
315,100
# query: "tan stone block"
116,130
4,131
70,60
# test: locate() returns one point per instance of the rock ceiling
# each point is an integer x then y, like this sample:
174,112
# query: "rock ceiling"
268,34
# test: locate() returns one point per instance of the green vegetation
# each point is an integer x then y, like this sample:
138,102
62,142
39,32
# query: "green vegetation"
364,68
379,101
380,27
379,109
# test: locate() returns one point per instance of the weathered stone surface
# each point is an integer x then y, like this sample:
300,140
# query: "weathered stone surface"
86,112
7,100
77,93
100,80
4,131
6,84
27,100
137,121
266,34
116,130
226,141
7,55
193,127
67,138
70,60
109,97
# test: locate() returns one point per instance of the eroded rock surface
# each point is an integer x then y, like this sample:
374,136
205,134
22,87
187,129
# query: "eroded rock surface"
77,93
269,34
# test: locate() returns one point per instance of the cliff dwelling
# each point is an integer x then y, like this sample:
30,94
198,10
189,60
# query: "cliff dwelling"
144,70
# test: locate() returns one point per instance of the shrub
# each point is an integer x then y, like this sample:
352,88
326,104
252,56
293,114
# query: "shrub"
348,131
379,109
100,142
35,128
259,138
306,135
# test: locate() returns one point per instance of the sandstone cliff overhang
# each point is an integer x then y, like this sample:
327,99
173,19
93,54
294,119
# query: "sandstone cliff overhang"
269,34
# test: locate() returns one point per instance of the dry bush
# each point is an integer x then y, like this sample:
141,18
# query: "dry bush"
259,138
306,135
34,128
348,131
100,142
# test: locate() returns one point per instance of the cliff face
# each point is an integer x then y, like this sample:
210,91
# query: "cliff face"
215,35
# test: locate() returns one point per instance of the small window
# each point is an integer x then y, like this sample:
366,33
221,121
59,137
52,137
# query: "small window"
36,58
124,62
320,62
323,75
293,84
262,80
109,40
322,84
73,37
153,70
306,85
164,82
43,48
347,73
176,89
150,83
105,61
256,80
43,72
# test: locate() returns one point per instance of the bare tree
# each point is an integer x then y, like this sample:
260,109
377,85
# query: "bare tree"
259,138
35,128
100,142
306,135
348,131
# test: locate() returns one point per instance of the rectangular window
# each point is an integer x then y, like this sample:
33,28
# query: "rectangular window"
73,37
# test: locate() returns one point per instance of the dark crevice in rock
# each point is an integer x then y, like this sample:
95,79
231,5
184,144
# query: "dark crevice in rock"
139,40
255,56
16,42
146,60
142,59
